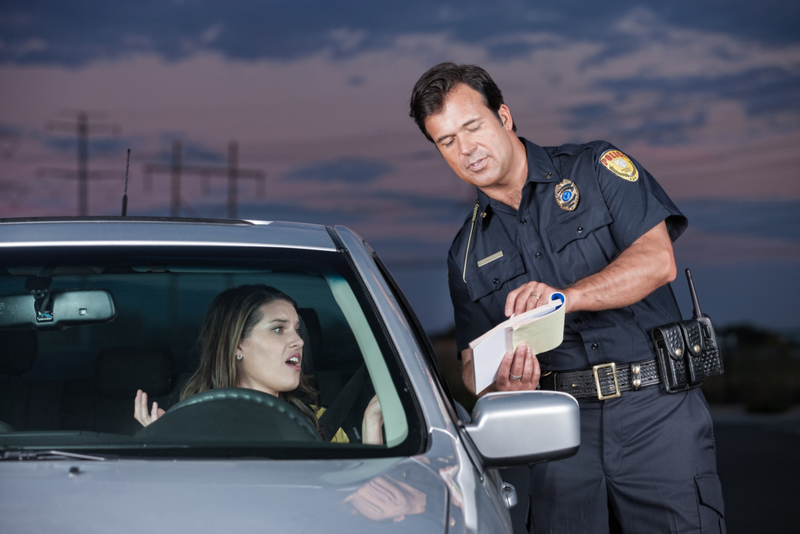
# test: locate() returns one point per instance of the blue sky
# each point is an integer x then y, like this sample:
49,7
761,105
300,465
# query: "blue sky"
705,94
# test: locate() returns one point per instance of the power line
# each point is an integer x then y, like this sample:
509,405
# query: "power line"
176,169
82,129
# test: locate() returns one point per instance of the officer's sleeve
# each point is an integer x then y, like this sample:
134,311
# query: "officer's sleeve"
471,320
636,201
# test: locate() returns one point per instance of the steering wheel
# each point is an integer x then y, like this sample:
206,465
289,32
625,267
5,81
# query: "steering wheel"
232,414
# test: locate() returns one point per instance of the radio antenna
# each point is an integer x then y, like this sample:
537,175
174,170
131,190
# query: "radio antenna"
693,293
125,195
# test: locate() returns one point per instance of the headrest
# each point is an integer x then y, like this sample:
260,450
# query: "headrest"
18,350
120,371
312,338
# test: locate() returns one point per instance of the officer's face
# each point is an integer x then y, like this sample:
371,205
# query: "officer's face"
476,145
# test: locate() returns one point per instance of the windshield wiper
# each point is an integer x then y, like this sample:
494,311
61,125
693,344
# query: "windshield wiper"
49,455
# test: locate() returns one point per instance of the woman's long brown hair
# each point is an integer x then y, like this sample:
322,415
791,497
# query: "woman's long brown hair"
231,318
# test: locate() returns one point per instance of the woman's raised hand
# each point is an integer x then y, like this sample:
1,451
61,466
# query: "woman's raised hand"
372,424
140,409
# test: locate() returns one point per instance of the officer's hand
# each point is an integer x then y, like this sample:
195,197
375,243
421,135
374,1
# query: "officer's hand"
528,297
521,363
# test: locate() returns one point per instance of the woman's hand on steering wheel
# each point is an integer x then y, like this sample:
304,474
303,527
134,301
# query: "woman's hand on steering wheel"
372,424
140,409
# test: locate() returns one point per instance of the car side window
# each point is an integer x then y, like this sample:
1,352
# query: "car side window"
424,343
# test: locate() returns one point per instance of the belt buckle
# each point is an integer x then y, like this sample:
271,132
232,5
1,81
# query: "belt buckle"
613,367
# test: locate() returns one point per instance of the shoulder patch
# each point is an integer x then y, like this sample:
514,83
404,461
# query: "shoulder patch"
620,164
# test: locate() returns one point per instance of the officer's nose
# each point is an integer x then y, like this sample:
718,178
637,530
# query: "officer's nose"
467,147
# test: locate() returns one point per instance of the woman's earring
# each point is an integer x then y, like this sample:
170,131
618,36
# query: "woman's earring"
239,356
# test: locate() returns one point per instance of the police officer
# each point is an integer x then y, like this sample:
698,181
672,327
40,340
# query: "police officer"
590,222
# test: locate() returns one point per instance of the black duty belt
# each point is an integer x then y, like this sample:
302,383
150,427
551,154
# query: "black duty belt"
604,381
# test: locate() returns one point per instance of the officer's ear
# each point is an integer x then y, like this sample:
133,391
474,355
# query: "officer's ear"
505,117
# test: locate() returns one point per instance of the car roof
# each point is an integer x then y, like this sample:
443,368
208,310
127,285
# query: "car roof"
152,231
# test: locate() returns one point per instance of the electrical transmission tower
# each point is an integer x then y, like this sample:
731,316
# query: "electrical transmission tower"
83,129
176,170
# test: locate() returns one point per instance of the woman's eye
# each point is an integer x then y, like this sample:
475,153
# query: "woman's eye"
278,330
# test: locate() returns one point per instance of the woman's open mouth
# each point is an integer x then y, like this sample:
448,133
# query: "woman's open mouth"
294,361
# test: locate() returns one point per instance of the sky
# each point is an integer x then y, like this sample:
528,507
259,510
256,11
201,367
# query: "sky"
705,94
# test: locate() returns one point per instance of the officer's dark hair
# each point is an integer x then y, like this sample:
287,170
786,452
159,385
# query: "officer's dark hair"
431,90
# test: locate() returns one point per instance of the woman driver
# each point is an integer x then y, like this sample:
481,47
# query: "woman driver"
250,339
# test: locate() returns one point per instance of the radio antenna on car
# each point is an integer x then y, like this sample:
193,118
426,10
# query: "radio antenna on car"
125,195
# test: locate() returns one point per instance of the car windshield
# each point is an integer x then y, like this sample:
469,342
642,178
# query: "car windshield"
83,329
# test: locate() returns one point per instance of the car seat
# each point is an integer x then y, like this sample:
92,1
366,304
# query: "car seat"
25,404
106,403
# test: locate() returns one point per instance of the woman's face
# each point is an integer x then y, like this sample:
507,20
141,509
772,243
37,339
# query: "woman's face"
272,354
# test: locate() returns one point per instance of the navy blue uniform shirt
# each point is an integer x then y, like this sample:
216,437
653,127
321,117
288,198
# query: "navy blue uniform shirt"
546,243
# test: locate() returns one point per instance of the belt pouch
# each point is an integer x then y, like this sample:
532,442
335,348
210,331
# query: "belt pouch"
693,359
670,356
712,360
687,351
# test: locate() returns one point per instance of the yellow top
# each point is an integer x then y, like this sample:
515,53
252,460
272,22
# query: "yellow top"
340,436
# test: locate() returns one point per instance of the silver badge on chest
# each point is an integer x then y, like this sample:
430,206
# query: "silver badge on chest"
567,195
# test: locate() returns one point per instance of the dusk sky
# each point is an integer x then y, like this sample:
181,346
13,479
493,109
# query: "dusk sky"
705,94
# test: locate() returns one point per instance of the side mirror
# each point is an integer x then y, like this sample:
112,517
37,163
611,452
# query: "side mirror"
525,427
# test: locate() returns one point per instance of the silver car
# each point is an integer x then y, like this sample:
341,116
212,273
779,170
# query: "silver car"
93,310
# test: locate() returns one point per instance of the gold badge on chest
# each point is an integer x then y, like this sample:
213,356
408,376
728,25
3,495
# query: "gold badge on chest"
567,195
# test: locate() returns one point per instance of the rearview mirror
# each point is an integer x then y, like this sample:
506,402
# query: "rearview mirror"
71,307
525,427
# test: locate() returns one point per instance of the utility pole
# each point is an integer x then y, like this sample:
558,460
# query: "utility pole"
83,129
177,170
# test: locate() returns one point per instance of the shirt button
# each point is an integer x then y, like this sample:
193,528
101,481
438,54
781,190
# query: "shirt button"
578,321
496,281
538,255
580,229
594,346
523,221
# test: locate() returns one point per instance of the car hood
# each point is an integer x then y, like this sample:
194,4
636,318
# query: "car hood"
156,496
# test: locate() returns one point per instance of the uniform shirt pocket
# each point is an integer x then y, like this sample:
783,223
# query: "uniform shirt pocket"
492,275
582,241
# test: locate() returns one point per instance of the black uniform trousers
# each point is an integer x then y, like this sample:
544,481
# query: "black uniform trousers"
648,457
